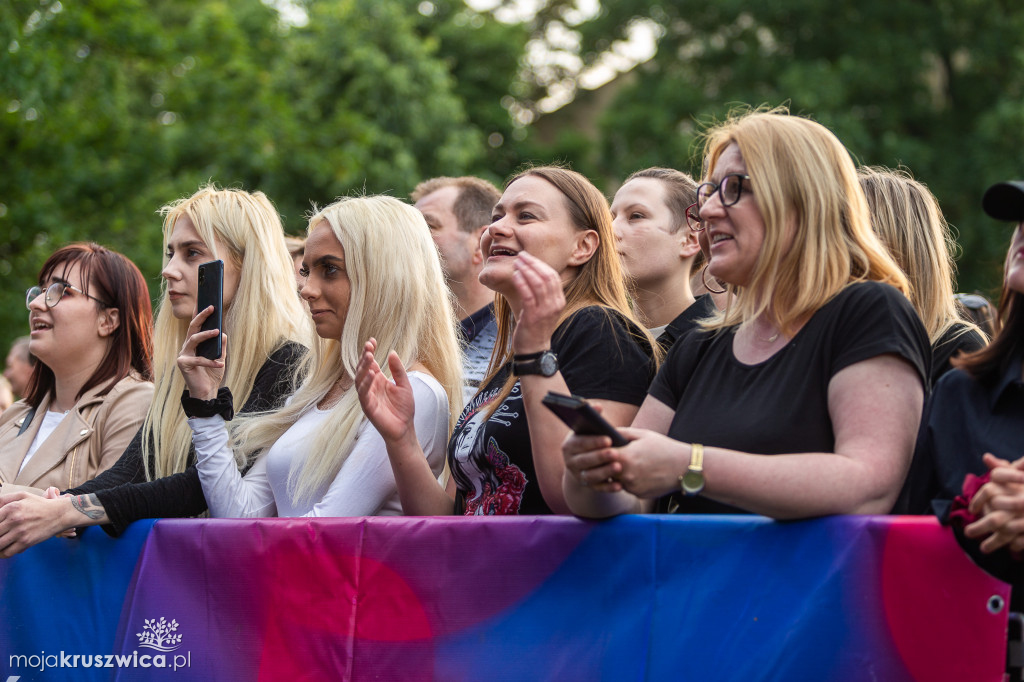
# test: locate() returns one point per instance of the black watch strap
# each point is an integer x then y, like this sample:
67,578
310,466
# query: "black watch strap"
222,405
544,363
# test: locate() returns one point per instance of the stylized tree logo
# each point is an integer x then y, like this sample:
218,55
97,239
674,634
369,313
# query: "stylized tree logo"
159,635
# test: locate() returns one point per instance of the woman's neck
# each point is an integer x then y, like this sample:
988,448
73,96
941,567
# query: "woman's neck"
67,386
334,394
659,305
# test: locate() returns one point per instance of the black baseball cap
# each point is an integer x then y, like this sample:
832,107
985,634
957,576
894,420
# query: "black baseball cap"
1005,201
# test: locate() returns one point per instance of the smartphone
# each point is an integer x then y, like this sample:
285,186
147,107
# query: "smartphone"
581,417
211,292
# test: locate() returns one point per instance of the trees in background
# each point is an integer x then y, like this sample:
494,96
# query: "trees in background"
111,108
934,85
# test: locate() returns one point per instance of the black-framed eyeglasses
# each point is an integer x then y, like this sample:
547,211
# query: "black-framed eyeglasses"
730,189
54,293
693,218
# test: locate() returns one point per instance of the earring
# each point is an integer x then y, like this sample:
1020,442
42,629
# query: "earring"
704,280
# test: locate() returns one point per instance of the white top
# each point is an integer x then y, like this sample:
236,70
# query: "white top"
365,485
51,420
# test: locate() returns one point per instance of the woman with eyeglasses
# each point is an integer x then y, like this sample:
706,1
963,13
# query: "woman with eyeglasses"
908,219
658,249
91,330
155,475
803,398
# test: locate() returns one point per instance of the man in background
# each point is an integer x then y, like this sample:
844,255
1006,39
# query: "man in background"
457,211
18,366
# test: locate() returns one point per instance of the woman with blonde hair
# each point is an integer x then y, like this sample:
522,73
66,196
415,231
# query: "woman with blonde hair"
156,475
908,219
564,325
801,399
369,269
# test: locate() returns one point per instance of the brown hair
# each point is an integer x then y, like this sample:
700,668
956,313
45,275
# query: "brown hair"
117,282
989,363
680,191
473,206
599,281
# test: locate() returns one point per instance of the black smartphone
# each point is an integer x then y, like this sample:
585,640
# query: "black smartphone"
581,417
211,292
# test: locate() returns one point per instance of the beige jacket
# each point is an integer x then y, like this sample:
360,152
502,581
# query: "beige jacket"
89,439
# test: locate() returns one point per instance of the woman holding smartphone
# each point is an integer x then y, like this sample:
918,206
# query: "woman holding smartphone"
318,455
564,325
803,398
156,476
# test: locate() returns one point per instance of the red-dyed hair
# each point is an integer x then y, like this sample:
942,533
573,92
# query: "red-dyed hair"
115,280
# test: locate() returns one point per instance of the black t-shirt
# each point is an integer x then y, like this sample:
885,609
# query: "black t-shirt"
600,355
956,339
781,405
703,306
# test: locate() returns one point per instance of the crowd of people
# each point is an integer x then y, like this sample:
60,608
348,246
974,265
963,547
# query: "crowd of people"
781,337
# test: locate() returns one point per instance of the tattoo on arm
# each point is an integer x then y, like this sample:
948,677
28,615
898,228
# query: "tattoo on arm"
89,505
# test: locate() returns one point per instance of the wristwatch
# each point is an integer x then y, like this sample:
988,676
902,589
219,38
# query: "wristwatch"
544,363
692,482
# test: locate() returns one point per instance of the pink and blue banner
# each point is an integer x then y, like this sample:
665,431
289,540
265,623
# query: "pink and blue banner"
635,598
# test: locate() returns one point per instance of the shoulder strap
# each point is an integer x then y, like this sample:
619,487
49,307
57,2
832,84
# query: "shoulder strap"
27,421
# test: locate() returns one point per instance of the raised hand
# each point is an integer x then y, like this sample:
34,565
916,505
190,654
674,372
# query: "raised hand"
203,377
389,405
540,290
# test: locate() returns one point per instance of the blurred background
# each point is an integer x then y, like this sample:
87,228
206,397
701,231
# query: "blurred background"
111,108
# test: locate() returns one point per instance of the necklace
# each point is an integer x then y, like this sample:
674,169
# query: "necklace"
771,339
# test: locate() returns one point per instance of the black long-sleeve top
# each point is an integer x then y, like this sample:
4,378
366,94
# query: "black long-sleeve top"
127,496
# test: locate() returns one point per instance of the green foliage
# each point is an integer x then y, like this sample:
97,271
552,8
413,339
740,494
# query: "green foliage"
111,109
933,86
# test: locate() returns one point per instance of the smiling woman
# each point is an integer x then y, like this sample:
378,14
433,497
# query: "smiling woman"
91,321
803,398
155,475
564,325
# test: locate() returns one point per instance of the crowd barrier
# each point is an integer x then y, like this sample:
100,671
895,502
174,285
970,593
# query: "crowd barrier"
532,598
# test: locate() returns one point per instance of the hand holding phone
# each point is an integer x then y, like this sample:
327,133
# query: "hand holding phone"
581,417
211,292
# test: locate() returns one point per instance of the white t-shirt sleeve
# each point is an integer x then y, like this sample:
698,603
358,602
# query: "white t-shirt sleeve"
365,485
228,494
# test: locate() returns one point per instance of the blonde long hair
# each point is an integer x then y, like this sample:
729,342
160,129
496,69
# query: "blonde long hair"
398,296
805,184
600,281
248,228
908,219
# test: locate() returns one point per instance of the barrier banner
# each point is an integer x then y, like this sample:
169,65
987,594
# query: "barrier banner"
532,598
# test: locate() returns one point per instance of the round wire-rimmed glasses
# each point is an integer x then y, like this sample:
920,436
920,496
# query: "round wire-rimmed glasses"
54,294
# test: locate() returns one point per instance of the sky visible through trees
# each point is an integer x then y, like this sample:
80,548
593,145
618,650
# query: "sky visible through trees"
112,108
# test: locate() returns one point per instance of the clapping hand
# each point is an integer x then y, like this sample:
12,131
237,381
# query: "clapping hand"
389,405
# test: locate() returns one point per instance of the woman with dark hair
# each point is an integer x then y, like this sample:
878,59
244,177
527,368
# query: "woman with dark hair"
91,322
975,418
564,325
155,475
